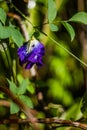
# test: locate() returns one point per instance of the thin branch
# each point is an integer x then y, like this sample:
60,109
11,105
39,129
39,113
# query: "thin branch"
19,20
22,106
22,14
47,121
70,53
32,119
4,103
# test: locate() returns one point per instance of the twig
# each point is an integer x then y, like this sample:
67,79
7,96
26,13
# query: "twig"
19,20
22,14
4,103
32,119
47,121
22,106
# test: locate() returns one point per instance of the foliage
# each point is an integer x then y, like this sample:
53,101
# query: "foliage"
56,89
19,92
9,31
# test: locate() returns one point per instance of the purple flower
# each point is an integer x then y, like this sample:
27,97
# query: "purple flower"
31,54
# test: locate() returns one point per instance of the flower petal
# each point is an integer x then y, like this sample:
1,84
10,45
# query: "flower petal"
29,65
40,63
31,54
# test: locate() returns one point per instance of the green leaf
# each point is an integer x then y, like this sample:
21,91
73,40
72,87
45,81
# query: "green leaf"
31,88
7,31
20,78
29,85
2,16
52,10
53,27
70,29
13,108
23,86
4,32
73,112
84,105
80,17
16,36
26,100
13,87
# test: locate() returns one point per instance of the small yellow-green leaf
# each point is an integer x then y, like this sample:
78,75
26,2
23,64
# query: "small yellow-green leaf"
31,88
70,29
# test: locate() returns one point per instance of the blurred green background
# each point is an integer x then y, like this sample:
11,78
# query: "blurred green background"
59,85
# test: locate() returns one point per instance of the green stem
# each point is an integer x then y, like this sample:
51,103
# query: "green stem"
22,14
70,53
14,71
6,51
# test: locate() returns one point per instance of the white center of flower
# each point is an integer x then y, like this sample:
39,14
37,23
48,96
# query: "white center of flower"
33,44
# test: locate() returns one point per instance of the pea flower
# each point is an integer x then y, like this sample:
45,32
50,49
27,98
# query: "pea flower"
31,54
